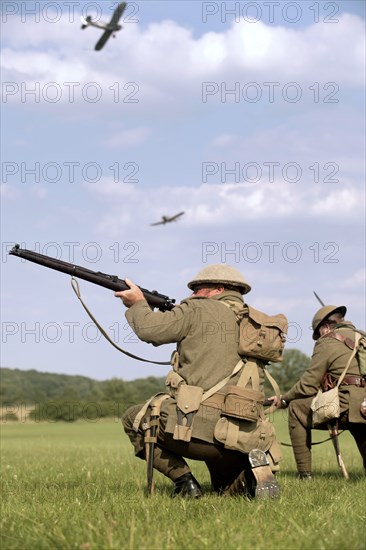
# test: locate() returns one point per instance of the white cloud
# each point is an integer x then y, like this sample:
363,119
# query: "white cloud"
356,281
9,191
128,138
225,140
345,199
166,60
39,191
222,204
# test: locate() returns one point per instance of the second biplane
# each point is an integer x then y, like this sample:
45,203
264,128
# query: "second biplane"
168,219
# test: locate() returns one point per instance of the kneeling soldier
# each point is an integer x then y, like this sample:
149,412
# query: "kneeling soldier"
192,414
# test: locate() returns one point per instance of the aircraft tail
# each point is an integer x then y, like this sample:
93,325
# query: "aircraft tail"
85,22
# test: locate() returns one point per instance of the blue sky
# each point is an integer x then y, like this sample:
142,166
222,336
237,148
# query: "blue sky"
252,122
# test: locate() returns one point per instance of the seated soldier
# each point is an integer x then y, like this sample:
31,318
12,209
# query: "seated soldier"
334,342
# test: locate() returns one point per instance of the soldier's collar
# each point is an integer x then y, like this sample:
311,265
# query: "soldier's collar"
229,294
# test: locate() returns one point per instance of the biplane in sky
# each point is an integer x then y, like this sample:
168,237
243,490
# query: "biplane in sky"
168,219
109,28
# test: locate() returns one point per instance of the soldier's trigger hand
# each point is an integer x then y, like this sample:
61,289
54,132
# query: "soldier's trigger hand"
131,296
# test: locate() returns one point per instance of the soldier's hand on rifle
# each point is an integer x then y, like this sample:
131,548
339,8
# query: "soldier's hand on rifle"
130,296
278,401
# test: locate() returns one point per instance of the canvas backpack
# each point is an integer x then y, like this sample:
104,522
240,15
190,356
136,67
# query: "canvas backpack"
261,336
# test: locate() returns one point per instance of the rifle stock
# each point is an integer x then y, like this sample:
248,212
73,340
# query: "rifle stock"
112,282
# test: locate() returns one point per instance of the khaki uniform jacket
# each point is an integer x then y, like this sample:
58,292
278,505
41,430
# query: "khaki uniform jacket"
331,356
207,335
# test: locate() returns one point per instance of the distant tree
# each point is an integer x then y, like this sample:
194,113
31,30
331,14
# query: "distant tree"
290,370
68,398
143,388
114,390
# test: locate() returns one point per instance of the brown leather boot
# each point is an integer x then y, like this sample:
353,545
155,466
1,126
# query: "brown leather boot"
187,486
238,487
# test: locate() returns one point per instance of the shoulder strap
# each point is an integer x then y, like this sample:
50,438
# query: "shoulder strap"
250,372
238,309
347,341
223,382
251,368
357,338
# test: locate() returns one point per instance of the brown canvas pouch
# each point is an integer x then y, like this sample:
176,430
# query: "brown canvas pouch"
325,406
243,403
173,382
188,402
240,435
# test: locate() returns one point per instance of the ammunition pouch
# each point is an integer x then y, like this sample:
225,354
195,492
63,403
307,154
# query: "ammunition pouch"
188,402
244,435
243,425
173,382
243,403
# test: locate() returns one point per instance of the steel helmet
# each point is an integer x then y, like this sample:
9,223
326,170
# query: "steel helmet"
323,313
221,273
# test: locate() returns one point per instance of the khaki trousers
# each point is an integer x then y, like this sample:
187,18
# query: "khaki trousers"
224,465
300,425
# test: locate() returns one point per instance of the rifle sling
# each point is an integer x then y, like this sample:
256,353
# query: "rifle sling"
76,289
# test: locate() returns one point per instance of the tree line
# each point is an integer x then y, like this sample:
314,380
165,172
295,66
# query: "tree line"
69,397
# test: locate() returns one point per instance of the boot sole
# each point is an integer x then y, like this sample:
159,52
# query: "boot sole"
263,484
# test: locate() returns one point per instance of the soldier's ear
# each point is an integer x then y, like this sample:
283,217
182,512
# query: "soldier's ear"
218,290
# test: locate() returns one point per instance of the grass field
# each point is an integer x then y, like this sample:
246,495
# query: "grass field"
79,486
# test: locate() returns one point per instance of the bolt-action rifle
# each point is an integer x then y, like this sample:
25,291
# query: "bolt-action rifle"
153,298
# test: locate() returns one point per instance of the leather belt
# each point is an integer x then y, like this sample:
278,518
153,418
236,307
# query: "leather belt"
354,381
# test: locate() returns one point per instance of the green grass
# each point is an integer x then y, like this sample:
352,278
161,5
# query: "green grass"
79,486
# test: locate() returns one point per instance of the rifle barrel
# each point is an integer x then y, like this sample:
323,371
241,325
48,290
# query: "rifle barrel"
319,299
112,282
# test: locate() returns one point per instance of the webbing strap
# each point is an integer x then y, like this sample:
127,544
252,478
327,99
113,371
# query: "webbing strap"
155,401
250,372
223,382
276,388
232,435
357,339
76,289
150,439
347,341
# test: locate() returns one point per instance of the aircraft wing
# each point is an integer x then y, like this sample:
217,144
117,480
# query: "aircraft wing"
176,216
159,223
103,39
118,13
